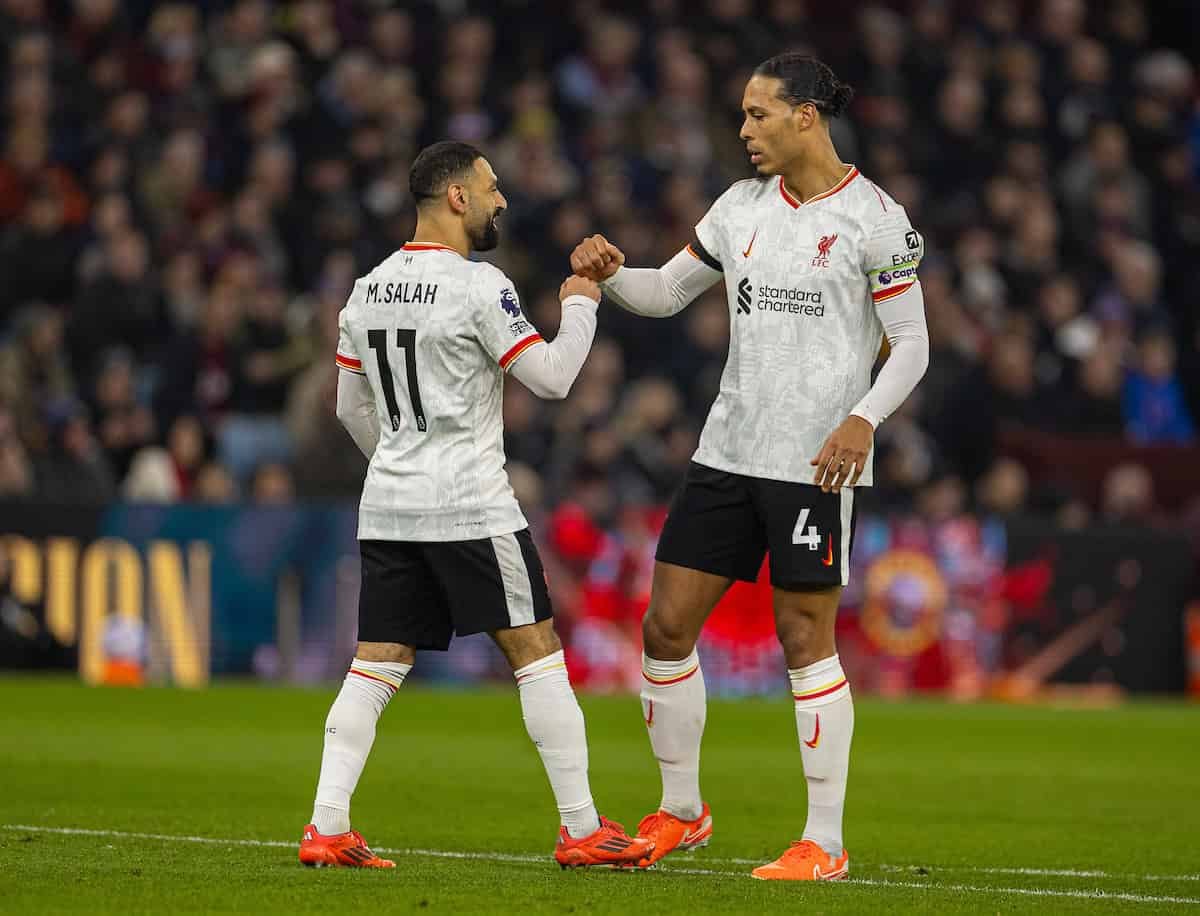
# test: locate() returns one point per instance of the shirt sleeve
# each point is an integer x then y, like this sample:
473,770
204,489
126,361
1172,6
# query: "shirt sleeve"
347,355
893,253
502,328
705,245
356,411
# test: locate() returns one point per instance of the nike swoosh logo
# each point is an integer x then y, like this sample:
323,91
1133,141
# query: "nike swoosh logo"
650,714
692,835
828,558
746,253
816,738
835,872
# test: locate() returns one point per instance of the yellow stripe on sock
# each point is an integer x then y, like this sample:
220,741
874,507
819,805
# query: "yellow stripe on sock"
673,678
813,691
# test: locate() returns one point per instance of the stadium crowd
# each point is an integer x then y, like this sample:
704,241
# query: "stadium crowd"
188,190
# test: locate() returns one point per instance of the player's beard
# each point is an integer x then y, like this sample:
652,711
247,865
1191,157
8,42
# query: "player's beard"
486,236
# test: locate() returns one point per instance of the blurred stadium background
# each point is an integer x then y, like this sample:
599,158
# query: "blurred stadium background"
187,191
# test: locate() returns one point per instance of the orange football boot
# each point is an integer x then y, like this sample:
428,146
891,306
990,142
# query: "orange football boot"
342,850
805,861
669,833
609,845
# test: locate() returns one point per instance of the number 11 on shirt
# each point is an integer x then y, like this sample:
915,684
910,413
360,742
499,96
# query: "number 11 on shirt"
406,340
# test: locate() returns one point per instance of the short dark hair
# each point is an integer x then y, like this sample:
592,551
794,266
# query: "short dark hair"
806,79
437,166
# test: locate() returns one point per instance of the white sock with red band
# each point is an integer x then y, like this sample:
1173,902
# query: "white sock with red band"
349,734
674,706
555,724
825,725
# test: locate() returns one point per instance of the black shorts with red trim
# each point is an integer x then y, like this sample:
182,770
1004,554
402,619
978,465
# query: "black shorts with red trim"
724,523
423,593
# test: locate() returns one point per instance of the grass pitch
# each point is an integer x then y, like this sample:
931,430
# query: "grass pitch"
119,801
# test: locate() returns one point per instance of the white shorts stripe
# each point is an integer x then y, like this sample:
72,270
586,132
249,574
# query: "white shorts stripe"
518,592
847,515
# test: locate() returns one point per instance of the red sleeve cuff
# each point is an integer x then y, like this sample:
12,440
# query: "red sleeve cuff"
518,349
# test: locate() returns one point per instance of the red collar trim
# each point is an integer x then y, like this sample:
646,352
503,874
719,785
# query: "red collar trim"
793,203
426,246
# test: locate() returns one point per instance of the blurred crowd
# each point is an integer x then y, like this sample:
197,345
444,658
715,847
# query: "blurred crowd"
188,190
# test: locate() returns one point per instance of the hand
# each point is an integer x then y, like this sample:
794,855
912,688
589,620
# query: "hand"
579,286
844,451
596,258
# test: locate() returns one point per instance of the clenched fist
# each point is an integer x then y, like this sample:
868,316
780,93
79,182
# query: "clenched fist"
596,258
579,286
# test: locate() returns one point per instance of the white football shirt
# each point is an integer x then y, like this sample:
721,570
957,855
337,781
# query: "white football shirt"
433,334
803,282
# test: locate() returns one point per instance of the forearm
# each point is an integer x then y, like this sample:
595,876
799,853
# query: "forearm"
904,326
549,369
664,291
356,411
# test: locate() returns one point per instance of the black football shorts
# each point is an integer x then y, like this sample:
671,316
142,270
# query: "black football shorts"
421,593
725,523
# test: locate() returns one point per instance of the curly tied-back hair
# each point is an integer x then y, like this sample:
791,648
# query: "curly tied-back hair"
806,79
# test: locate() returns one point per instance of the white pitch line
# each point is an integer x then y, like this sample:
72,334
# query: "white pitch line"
1030,891
131,835
538,860
986,870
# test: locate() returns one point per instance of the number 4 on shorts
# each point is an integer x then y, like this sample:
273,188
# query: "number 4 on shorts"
811,537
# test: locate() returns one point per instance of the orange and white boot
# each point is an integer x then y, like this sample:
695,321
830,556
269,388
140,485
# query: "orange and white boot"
670,833
805,861
609,845
342,850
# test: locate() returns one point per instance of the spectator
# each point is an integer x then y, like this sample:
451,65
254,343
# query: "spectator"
198,371
602,79
73,470
1153,399
1131,299
1128,495
37,256
16,474
267,356
168,475
34,371
1004,394
121,307
329,465
1105,158
1004,489
26,170
1091,405
215,486
272,485
123,424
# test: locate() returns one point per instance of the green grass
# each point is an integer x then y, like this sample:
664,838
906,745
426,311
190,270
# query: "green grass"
948,806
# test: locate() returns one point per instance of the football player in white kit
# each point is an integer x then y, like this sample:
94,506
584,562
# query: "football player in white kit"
820,265
426,339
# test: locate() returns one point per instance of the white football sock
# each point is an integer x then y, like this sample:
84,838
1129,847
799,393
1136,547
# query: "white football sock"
674,706
825,724
555,724
349,734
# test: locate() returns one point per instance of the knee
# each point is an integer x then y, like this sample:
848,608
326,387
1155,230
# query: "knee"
803,642
666,636
393,652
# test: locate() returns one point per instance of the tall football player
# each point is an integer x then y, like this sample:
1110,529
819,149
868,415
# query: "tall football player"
426,339
819,265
